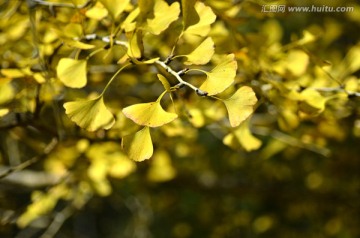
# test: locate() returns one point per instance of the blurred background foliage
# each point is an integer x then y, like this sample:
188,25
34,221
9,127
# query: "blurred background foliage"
295,175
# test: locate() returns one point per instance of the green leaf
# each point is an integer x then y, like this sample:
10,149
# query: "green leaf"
221,77
164,15
189,14
72,72
149,114
207,17
242,135
138,146
90,114
202,54
240,105
115,7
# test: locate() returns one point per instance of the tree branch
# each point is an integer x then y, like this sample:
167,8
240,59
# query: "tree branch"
31,161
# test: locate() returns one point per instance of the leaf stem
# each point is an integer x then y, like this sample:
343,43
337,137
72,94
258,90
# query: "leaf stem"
112,79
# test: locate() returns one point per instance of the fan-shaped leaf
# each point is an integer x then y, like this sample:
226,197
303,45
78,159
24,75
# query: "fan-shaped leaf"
207,17
138,146
202,54
221,77
164,16
149,114
90,114
72,72
242,135
115,7
189,14
240,105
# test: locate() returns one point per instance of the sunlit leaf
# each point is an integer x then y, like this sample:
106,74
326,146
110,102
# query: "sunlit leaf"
307,38
121,167
72,72
138,146
7,92
4,111
90,114
164,15
189,14
149,114
312,101
221,77
129,24
161,169
13,73
240,105
243,136
73,30
136,47
353,59
207,17
164,82
115,7
297,62
202,54
97,12
42,203
78,44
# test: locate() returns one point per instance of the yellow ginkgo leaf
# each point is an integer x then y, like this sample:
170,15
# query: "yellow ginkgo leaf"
207,17
136,47
352,60
97,12
164,15
221,77
129,24
242,135
297,62
189,14
149,114
90,114
138,146
78,44
312,102
115,7
202,54
72,72
240,105
73,30
164,82
161,169
7,91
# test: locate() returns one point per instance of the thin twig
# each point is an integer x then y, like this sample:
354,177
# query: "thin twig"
57,4
290,140
58,221
31,161
163,64
177,76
